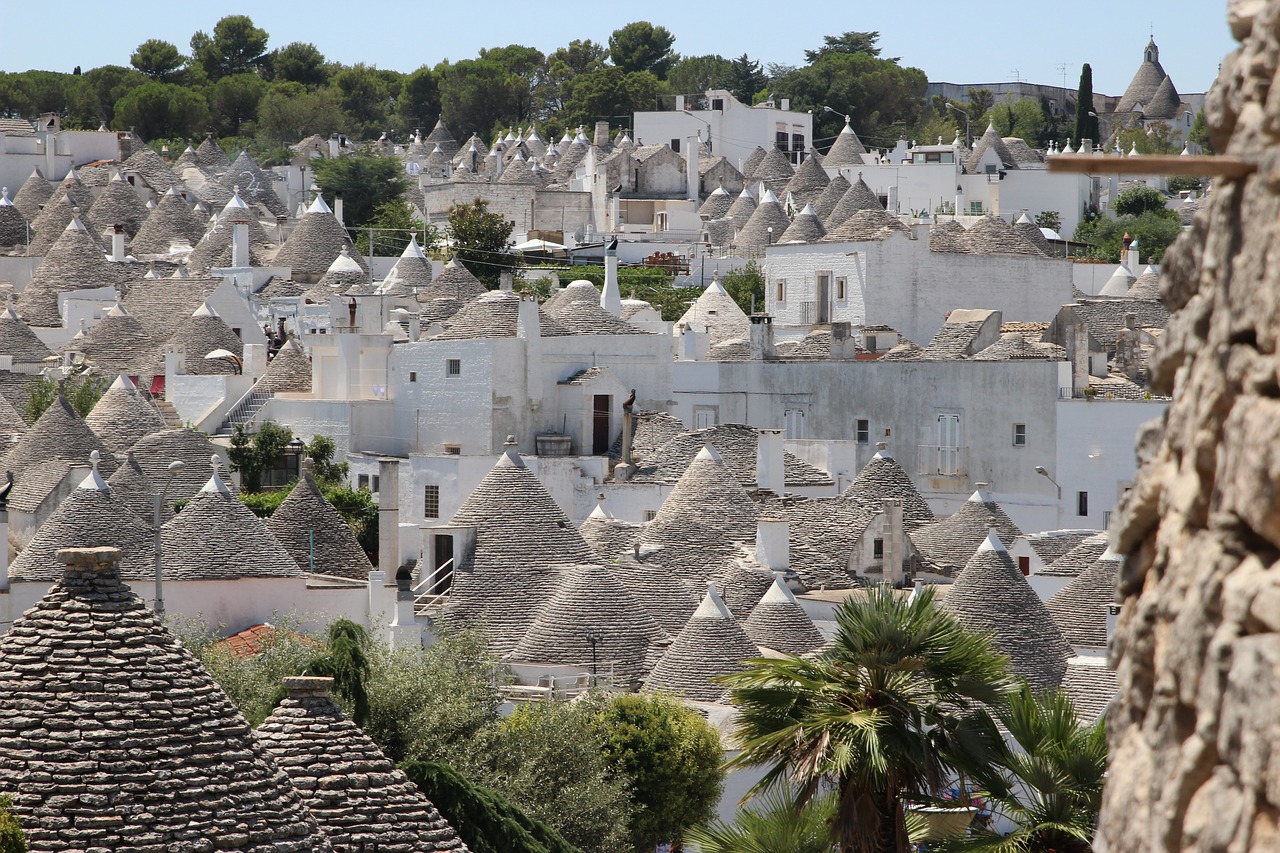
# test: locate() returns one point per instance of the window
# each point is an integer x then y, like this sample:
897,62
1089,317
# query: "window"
453,450
877,549
862,431
869,342
975,208
1024,565
675,145
362,481
1019,435
717,104
840,288
947,462
1082,503
780,290
705,417
884,200
374,482
781,139
650,514
431,501
794,420
413,376
453,367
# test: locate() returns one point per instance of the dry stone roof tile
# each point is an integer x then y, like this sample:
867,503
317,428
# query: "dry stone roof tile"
202,333
192,447
316,535
163,305
586,317
1092,686
290,370
710,644
740,211
773,166
495,314
1080,607
171,220
990,140
118,344
1079,558
13,225
34,193
153,169
847,150
882,477
1014,346
118,204
360,799
17,339
767,223
946,545
991,596
256,186
1147,285
1051,545
454,282
948,236
669,600
212,156
214,248
778,622
314,244
805,228
808,182
953,340
133,489
858,197
735,443
58,440
1145,83
867,225
73,263
753,161
717,312
991,235
741,584
50,224
826,201
121,417
162,758
717,204
823,535
1032,234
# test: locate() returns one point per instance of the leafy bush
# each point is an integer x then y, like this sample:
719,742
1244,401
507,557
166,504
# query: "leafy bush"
1136,201
652,284
12,839
1155,230
82,392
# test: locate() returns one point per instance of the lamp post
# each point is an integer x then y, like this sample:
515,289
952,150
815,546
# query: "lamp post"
593,639
175,468
967,138
704,121
1043,473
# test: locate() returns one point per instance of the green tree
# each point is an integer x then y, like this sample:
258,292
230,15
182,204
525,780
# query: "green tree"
320,450
1136,201
477,94
607,92
877,93
745,78
1086,125
162,110
640,46
234,100
159,60
253,454
365,96
419,102
694,75
847,42
236,47
563,65
296,62
288,113
1022,118
12,839
1200,133
345,661
1155,231
524,68
93,101
1050,219
979,106
392,224
1048,780
774,824
746,286
872,716
672,759
366,182
1156,138
487,821
82,392
481,240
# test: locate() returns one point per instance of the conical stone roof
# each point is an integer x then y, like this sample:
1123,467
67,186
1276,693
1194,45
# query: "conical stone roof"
753,161
1080,607
947,545
341,276
699,525
992,235
313,245
858,197
1147,286
743,206
992,597
118,204
34,193
413,268
202,333
1031,232
755,235
74,262
741,586
990,140
118,344
847,150
53,220
357,795
153,169
1146,81
592,605
441,136
717,204
216,537
830,196
192,447
778,622
948,236
807,183
211,156
121,417
290,370
454,282
171,220
57,440
866,225
774,166
710,644
13,225
162,759
132,488
716,312
90,517
316,535
496,314
255,185
882,477
214,248
1164,104
17,339
805,228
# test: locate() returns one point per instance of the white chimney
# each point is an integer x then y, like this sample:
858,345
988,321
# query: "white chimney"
388,516
4,550
786,103
240,245
770,473
692,178
772,544
337,209
611,298
892,541
690,344
1113,616
506,281
333,146
761,341
601,139
1133,255
415,328
679,103
117,243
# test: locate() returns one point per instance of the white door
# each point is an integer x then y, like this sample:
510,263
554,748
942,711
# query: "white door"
794,422
948,443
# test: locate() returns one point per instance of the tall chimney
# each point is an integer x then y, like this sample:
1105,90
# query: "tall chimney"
611,298
388,516
692,179
770,473
761,342
893,541
4,547
602,134
773,549
240,245
117,243
1080,358
337,210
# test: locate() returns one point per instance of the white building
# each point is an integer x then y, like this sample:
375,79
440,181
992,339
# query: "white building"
730,128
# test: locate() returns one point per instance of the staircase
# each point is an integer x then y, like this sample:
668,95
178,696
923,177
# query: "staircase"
427,602
168,412
243,412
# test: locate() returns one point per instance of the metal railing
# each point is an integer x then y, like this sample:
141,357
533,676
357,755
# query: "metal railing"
244,411
425,596
941,460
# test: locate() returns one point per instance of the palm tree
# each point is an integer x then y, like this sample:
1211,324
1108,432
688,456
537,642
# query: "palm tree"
1047,778
869,717
774,825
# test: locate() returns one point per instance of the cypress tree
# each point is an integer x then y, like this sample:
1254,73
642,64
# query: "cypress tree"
1086,125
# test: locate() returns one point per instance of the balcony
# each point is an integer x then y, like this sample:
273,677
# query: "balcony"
940,460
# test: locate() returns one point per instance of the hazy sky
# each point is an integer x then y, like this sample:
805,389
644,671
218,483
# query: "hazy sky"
957,42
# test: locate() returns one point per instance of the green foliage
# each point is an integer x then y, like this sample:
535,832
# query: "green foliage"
158,60
418,105
492,90
366,182
694,75
1022,118
746,286
1050,219
288,112
1138,200
847,42
606,93
1048,781
1086,125
745,79
82,392
640,46
263,504
487,821
393,223
234,100
652,284
1156,138
1200,133
1155,231
365,94
873,716
157,109
12,839
774,824
347,663
1181,183
296,62
672,759
236,47
320,451
877,93
357,508
481,240
93,100
253,454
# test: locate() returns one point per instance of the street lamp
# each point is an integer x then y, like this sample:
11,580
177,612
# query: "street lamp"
967,138
175,468
704,121
1043,473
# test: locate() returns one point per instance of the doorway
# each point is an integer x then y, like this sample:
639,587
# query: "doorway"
601,434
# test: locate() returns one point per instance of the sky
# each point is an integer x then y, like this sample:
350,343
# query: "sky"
951,42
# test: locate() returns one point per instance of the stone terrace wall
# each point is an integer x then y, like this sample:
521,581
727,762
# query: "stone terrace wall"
1192,764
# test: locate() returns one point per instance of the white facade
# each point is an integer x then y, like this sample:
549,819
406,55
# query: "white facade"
1095,462
732,128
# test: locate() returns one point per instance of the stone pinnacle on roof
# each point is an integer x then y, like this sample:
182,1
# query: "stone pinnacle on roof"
993,141
358,796
847,150
193,778
991,596
711,644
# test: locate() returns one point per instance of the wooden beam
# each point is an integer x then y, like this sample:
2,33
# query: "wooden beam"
1151,164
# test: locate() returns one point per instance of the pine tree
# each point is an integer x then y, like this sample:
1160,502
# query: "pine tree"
1086,125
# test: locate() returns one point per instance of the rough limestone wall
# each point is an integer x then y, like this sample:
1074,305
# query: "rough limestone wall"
1195,734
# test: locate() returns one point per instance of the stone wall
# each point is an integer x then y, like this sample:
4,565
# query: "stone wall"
1193,763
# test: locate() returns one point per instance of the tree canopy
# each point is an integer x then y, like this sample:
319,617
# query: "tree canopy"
640,46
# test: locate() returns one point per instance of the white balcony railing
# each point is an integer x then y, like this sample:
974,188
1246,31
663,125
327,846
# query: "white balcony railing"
941,460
